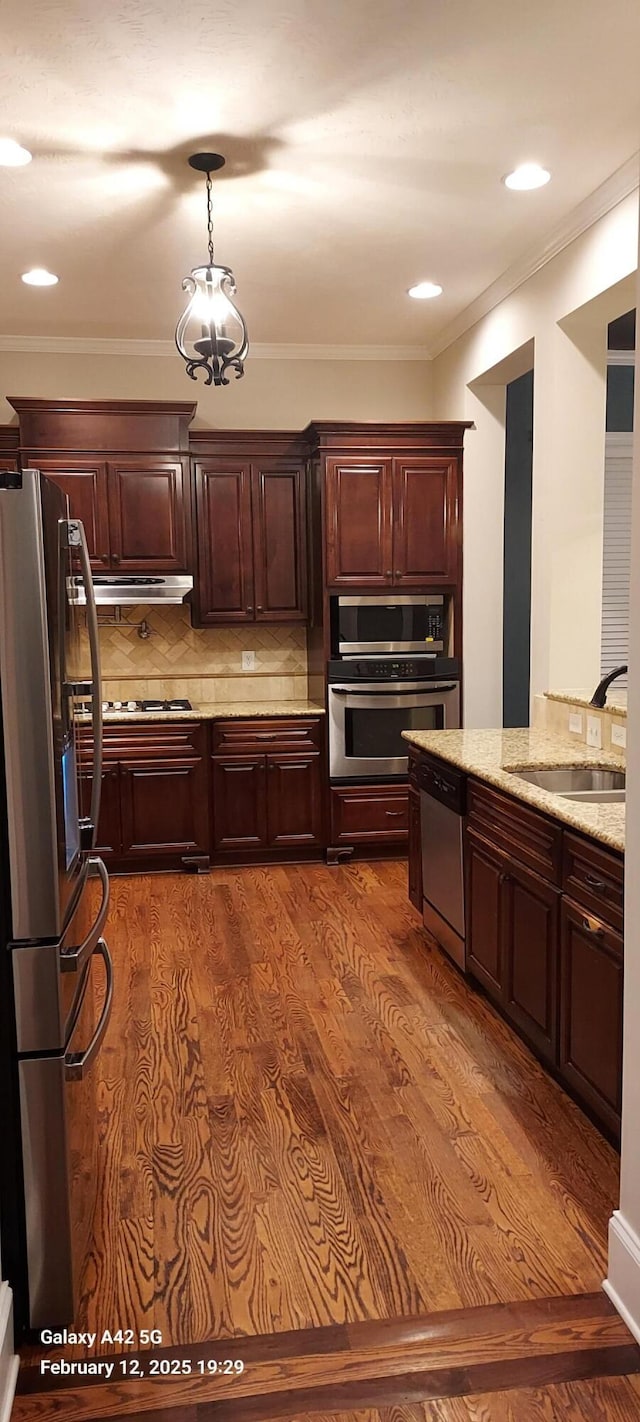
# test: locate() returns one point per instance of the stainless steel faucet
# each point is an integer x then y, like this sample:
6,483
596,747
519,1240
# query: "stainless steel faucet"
600,694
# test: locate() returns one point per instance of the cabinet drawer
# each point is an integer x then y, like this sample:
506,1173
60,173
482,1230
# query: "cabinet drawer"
369,812
521,832
155,741
238,736
594,878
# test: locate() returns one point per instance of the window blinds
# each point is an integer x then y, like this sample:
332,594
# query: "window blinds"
616,552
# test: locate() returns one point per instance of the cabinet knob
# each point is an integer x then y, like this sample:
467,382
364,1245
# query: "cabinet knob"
398,572
249,609
259,608
389,573
115,557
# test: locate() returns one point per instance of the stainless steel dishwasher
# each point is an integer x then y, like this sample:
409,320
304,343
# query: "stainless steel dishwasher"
442,808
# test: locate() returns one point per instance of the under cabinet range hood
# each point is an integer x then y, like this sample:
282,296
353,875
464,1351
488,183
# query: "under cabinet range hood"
121,590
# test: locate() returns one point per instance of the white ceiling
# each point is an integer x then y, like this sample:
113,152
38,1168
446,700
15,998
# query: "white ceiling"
365,140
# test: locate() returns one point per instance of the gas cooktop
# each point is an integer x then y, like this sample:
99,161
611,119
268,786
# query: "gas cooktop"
177,704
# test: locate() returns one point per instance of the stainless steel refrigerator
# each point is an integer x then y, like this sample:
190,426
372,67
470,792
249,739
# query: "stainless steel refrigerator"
56,978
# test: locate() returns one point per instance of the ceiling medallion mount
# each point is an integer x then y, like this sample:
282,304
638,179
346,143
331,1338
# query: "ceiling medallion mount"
211,334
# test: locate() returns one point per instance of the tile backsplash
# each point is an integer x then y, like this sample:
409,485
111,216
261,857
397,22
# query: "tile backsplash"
572,720
208,659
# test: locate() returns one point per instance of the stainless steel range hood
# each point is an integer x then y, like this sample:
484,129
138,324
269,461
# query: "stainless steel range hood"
120,590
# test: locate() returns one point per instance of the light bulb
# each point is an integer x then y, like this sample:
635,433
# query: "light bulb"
12,154
39,276
527,177
424,290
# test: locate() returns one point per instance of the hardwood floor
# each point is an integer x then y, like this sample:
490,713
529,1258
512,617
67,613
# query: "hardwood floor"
308,1119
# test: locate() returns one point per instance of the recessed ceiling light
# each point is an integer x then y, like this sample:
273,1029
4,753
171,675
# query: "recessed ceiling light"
12,155
424,290
526,177
39,276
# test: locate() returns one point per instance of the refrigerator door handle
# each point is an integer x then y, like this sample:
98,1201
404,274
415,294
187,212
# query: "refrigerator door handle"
74,960
77,1064
78,541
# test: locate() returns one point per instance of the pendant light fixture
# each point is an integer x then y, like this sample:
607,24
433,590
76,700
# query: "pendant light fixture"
211,334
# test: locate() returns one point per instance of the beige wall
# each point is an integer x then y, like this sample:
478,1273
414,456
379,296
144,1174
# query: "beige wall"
563,309
273,394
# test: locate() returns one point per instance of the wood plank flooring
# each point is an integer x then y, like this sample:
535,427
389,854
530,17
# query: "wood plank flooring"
358,1365
307,1117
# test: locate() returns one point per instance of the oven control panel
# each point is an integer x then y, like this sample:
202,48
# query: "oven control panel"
393,668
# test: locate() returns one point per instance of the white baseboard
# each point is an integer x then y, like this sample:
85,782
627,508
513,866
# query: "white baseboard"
8,1359
623,1282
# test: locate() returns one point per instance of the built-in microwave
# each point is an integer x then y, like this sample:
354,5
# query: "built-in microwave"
395,622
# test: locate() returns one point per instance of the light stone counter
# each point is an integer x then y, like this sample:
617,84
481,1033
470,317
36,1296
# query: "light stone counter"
492,755
214,710
616,700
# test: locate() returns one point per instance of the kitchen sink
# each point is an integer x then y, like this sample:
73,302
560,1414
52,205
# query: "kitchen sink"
579,782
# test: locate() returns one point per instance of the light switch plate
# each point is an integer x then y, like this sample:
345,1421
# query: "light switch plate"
618,734
248,661
594,732
575,722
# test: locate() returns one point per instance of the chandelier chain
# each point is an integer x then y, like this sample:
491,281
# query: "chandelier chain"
209,220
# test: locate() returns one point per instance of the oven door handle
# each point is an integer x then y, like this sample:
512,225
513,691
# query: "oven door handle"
407,689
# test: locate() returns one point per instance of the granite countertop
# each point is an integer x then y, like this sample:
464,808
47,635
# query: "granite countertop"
215,710
616,700
492,755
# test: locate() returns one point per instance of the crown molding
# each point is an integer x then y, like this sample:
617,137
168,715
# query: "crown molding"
101,346
613,191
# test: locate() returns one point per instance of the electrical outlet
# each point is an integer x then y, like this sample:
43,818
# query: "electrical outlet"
618,734
575,722
594,732
248,661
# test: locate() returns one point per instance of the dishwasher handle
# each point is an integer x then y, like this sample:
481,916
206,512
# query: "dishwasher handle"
445,784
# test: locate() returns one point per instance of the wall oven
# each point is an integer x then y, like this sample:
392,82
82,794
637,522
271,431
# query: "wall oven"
397,622
372,701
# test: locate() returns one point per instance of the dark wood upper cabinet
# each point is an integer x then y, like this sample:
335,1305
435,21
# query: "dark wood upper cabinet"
148,515
358,522
279,542
425,521
251,541
392,502
225,542
86,486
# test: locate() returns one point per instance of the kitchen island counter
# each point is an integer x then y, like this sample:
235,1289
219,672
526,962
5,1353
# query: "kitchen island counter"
493,756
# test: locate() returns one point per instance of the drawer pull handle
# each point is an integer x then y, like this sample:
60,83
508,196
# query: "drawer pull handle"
594,883
394,814
592,925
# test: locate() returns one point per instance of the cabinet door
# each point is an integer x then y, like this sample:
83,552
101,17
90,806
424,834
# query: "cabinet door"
239,799
358,523
294,800
164,808
148,512
279,543
109,842
225,543
415,850
425,521
531,914
484,911
86,486
591,978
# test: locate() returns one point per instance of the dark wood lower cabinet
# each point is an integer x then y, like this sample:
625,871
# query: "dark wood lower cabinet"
239,802
591,1001
294,800
415,850
109,841
531,917
485,911
164,809
370,816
